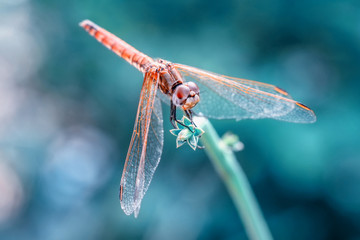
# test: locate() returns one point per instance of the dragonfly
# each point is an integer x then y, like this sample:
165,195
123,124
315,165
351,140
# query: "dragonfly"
222,97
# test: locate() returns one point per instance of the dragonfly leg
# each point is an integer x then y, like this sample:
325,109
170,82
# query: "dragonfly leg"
173,118
190,114
173,114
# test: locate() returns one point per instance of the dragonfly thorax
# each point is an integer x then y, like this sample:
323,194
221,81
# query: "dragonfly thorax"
182,94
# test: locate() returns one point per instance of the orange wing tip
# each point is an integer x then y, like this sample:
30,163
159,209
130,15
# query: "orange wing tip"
279,90
303,106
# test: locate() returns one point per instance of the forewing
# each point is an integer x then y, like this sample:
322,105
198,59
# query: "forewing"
224,97
145,148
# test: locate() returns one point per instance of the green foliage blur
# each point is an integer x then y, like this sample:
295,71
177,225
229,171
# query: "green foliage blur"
68,107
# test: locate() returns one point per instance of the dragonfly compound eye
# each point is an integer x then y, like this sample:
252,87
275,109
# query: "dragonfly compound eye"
181,93
193,87
193,97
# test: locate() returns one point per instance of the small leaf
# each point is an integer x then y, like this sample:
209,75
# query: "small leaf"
198,132
184,135
193,141
179,143
192,128
186,121
179,126
175,132
192,145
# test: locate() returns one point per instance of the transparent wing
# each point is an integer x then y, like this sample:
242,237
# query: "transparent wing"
145,148
226,97
164,98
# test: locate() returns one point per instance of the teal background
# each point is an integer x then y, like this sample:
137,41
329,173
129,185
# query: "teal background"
68,107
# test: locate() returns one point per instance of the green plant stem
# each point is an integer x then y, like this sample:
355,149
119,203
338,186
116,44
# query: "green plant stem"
235,180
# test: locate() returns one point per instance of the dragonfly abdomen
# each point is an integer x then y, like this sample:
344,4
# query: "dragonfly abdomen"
118,46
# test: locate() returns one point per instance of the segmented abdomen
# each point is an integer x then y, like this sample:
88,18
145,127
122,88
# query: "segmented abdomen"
118,46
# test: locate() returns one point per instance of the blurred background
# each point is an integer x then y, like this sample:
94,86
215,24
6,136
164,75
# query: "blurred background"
68,107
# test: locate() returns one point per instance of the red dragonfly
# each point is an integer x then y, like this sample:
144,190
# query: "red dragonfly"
223,97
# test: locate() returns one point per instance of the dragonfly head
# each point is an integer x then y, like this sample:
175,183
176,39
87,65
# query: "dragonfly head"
186,95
